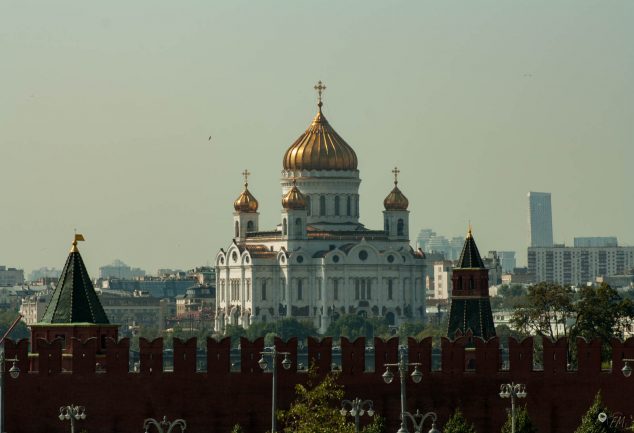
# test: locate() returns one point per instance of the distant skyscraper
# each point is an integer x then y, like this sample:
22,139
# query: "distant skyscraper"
540,219
507,260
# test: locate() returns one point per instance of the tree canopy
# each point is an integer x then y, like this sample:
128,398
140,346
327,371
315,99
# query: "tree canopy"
458,424
592,423
523,423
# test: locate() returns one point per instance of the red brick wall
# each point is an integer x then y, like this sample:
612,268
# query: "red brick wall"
118,401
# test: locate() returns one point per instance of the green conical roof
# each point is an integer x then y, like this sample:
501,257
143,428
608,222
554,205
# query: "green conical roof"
74,299
470,256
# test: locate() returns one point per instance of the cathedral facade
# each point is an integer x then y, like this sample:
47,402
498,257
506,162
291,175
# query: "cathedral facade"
320,261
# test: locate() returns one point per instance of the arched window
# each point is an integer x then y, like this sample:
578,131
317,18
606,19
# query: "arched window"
284,227
237,229
299,289
337,205
308,210
298,227
348,206
250,226
400,228
322,205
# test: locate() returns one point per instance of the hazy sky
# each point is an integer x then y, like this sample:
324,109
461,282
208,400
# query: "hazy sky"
106,108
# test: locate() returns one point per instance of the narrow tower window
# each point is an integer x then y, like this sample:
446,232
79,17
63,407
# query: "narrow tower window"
337,210
322,205
400,228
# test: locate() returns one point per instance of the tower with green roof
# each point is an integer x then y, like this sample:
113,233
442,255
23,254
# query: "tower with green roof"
74,310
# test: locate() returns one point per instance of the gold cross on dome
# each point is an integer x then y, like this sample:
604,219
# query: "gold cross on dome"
396,171
246,175
320,87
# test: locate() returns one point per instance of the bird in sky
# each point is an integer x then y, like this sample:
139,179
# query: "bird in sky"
209,138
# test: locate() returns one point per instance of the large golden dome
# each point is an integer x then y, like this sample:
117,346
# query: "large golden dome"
320,147
294,199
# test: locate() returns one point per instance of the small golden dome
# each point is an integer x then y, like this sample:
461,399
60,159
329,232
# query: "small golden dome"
396,200
320,147
294,199
246,202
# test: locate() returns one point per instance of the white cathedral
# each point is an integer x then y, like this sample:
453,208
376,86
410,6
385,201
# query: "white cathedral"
320,261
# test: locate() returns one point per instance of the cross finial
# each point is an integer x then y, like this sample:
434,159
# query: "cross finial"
320,87
246,175
396,171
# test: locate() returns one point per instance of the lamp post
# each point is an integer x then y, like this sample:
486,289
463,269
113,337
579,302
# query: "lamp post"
627,370
273,353
357,408
72,413
164,424
513,390
14,372
403,368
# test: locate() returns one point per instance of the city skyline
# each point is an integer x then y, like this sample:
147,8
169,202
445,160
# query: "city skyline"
472,119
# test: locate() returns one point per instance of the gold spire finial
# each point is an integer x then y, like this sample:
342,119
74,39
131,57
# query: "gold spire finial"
320,87
396,171
469,234
78,237
246,175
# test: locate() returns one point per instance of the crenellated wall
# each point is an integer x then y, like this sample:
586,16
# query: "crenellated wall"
232,388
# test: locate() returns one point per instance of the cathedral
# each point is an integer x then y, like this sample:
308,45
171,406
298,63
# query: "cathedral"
320,261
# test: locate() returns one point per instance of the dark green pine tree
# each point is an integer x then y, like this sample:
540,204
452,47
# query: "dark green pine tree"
523,423
592,422
458,424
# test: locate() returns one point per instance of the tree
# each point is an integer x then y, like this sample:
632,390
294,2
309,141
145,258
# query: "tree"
547,311
523,423
601,313
7,317
591,423
458,424
237,429
235,332
316,407
351,326
376,426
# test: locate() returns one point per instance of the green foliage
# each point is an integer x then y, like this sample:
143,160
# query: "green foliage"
235,332
601,313
546,312
353,326
590,422
523,423
504,332
284,328
509,297
458,424
316,408
376,426
6,319
237,429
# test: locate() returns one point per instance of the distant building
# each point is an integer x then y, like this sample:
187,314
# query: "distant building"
442,279
32,307
118,269
578,266
10,277
44,274
198,301
156,287
492,263
423,238
596,241
540,219
507,261
518,276
133,310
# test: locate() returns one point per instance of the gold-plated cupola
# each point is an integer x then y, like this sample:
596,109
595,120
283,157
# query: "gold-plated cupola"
396,200
320,147
246,202
294,199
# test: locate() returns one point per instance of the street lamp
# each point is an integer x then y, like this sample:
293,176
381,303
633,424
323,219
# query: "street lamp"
14,372
513,390
72,413
627,370
286,363
357,408
402,368
162,425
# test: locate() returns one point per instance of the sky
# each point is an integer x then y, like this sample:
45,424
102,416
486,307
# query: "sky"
106,109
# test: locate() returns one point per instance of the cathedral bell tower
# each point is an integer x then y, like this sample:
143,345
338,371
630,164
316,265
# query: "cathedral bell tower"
294,214
396,215
470,314
246,216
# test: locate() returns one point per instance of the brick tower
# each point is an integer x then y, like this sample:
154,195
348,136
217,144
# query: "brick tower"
74,310
470,314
